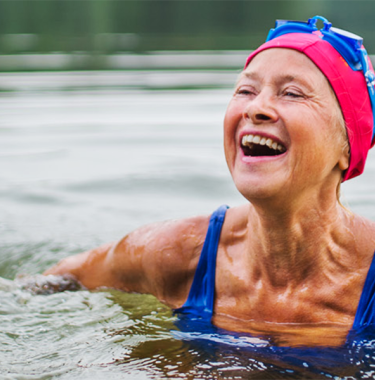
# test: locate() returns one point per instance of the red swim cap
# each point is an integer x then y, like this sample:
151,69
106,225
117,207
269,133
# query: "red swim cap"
349,86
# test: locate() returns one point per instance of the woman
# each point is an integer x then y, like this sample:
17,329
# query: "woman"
300,122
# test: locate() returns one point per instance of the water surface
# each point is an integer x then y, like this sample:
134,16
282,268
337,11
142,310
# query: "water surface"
86,157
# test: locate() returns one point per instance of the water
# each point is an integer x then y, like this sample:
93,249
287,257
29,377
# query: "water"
86,158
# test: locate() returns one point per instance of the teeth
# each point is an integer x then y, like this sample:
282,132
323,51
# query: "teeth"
251,139
256,139
280,148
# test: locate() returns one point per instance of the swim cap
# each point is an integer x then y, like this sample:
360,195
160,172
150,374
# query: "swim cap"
349,86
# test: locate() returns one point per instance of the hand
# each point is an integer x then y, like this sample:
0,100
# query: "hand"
50,284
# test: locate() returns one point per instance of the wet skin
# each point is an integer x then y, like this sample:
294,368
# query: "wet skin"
292,256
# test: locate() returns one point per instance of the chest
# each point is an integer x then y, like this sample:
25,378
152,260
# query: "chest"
243,294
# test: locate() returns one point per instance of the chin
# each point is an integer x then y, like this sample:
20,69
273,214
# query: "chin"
259,187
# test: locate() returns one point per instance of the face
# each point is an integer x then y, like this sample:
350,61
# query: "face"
281,130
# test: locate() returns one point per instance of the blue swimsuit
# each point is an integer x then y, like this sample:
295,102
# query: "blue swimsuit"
200,302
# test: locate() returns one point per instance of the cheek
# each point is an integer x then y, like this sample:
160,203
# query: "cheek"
230,115
233,117
312,126
231,121
315,145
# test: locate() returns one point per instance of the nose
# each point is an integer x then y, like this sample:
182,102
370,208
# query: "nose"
261,109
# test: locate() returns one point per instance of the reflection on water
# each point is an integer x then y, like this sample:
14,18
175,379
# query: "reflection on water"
87,157
92,335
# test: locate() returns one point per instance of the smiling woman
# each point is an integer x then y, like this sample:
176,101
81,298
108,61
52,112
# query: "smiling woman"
283,98
291,256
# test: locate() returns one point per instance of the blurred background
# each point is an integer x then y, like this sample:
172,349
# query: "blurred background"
104,34
111,114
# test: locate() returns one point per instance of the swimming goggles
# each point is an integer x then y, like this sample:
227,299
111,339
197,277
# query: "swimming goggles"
349,45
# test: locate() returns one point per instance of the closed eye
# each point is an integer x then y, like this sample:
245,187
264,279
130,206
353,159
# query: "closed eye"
293,94
245,90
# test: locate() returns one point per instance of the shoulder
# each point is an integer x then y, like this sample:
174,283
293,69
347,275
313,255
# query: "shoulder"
235,224
162,237
164,255
363,232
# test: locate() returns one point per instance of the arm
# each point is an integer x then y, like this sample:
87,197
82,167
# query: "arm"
158,259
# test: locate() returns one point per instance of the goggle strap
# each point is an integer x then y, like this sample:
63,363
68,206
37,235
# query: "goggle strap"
370,81
290,28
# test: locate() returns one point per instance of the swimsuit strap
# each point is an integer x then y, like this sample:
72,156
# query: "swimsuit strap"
200,301
365,314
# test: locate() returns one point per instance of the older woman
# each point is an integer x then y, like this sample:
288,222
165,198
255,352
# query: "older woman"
299,123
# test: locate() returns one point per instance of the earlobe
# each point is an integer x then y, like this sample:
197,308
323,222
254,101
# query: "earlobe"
344,159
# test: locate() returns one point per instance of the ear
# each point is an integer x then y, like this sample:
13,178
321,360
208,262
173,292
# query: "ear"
344,159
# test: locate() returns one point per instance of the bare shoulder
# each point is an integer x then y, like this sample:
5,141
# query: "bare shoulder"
235,225
170,238
363,230
366,229
164,254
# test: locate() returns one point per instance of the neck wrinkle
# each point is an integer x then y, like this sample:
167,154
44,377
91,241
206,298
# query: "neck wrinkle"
291,247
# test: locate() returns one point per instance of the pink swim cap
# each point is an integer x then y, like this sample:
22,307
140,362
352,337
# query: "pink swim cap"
349,86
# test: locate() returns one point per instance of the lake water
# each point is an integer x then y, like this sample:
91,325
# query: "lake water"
87,157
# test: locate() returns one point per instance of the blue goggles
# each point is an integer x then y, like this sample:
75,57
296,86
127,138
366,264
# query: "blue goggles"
349,45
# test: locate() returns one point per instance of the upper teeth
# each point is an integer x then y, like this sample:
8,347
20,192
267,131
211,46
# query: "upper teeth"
256,139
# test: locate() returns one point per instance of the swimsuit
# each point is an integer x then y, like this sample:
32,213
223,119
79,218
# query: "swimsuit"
200,302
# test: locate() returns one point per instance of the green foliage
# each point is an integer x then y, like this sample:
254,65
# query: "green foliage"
107,26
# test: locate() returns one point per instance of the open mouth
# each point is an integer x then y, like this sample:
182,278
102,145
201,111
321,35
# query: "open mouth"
255,145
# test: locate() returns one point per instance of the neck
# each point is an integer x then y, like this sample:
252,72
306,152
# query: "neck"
293,243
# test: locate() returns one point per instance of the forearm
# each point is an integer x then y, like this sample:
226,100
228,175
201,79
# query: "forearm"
152,259
89,268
